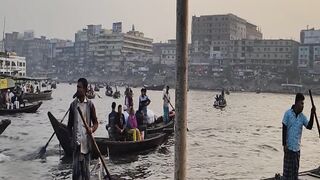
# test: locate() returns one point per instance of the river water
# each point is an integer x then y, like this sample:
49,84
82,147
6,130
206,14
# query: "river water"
243,141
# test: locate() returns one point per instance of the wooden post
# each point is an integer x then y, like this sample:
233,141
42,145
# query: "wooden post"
181,90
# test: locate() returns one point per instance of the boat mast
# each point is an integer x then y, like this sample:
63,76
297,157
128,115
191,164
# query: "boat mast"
181,89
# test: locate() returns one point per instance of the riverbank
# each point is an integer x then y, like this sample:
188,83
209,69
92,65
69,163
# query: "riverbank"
205,83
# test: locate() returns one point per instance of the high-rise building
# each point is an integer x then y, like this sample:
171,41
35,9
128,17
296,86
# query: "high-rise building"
208,28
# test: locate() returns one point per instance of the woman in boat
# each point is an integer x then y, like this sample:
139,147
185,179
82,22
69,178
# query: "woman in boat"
120,130
133,125
128,101
140,119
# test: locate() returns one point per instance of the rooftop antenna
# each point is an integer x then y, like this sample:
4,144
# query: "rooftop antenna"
4,27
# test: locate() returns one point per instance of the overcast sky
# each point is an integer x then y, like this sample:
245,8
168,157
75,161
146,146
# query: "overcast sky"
156,18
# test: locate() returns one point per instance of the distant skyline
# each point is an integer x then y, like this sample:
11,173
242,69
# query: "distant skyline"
155,18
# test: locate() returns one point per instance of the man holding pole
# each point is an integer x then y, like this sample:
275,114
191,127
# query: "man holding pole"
80,138
166,101
292,124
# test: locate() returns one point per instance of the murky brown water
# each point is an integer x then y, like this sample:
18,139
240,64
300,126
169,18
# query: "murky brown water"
243,141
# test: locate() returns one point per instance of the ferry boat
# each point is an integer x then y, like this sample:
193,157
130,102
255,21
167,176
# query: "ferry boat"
292,88
13,65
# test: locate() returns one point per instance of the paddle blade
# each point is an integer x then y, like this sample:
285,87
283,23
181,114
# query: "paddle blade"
42,152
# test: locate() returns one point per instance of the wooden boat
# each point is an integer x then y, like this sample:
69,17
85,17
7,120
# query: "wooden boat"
62,134
159,126
44,95
53,85
27,109
154,87
124,147
311,174
100,85
116,95
115,147
220,104
91,95
4,124
109,91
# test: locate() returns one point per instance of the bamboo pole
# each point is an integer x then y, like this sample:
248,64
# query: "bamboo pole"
181,89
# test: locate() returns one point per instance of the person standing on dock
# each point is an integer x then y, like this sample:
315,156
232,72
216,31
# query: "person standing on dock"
292,124
80,138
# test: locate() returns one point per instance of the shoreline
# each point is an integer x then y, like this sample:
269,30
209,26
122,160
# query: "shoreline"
203,83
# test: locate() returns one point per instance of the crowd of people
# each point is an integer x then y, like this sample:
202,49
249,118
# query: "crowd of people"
129,124
12,98
123,124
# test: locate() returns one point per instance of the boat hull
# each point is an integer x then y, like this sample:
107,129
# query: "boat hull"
31,97
115,147
155,87
125,147
160,126
4,124
27,109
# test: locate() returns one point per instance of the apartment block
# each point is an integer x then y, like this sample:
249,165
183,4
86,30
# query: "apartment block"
208,28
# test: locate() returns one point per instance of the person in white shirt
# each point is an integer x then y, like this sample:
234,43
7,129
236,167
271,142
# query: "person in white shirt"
166,101
11,101
81,142
126,114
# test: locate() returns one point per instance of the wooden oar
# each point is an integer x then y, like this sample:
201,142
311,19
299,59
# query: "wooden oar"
44,148
315,114
172,107
170,103
94,142
98,95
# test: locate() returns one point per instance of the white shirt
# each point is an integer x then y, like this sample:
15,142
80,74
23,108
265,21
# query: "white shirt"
10,96
126,116
82,132
166,98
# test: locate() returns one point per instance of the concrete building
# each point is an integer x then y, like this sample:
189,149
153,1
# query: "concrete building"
310,36
206,29
166,52
304,58
248,57
11,64
36,50
117,43
308,58
1,46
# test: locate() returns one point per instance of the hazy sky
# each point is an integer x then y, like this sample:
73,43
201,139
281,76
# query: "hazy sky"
156,18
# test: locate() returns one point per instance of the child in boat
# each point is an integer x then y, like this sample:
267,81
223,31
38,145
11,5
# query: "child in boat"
133,125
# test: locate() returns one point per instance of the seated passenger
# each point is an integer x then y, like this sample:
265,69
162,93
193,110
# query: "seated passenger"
141,126
120,132
112,120
133,126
